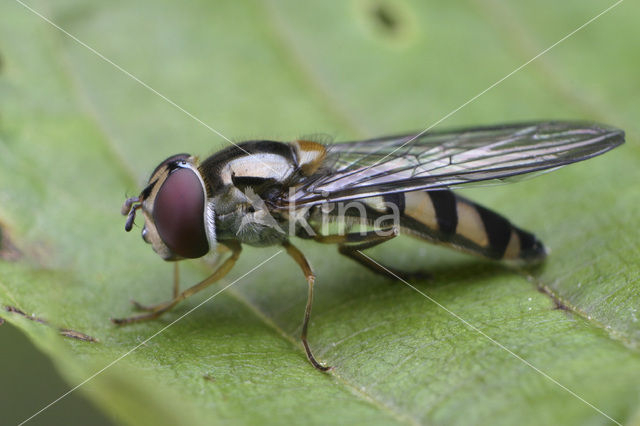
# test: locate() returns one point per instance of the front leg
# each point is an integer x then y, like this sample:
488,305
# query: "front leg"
176,291
157,310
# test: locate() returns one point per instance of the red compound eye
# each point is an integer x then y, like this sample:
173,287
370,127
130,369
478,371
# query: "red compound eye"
178,213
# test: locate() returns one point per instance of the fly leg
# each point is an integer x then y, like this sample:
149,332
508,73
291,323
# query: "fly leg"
176,280
351,245
308,273
157,310
176,290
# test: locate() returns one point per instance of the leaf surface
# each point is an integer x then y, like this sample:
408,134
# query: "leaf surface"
76,134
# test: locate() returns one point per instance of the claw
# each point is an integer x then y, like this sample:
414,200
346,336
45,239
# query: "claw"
139,307
120,321
135,318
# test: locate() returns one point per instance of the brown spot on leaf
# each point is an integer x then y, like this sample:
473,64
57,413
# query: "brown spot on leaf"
385,16
390,21
209,378
14,310
32,317
63,331
77,335
558,303
561,306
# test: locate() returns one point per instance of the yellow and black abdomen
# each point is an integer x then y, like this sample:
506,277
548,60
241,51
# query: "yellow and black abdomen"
446,218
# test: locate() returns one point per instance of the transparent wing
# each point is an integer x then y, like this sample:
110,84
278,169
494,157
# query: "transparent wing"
436,160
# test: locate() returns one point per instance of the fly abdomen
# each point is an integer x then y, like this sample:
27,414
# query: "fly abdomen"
506,241
446,218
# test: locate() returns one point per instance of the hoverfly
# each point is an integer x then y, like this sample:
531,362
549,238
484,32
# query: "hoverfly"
262,193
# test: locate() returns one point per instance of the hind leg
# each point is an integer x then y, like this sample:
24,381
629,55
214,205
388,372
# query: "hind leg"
351,245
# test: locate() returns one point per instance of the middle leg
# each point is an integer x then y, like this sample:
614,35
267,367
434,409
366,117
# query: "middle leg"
308,273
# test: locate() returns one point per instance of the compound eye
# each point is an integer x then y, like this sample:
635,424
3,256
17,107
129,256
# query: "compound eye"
178,213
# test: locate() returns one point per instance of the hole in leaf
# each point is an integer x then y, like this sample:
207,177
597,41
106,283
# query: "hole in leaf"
385,17
391,21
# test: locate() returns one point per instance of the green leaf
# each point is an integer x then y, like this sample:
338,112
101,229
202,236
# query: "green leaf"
76,134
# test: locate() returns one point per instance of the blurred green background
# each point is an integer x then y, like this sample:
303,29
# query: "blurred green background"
77,135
